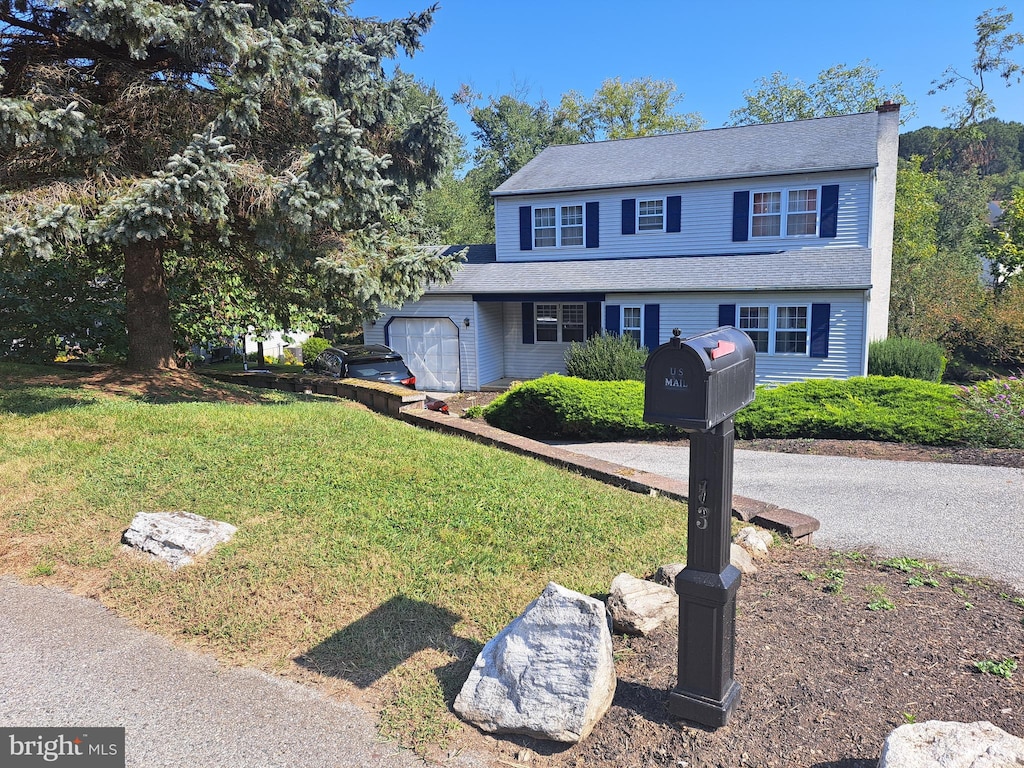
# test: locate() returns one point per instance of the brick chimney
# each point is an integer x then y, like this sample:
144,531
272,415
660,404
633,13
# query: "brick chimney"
888,106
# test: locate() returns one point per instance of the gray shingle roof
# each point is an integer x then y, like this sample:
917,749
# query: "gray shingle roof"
821,144
806,269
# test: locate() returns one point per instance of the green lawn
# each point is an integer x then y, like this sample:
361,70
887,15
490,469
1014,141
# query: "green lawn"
367,550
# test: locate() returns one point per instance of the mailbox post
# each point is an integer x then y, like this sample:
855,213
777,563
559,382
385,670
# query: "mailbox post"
698,384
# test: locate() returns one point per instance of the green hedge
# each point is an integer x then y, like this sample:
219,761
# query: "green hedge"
874,408
565,407
606,357
888,408
906,357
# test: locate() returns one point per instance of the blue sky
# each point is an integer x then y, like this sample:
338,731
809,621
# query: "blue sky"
712,50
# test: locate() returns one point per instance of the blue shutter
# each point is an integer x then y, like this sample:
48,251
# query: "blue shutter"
611,318
652,326
629,217
740,215
819,329
727,314
593,224
593,318
674,219
829,211
526,229
527,322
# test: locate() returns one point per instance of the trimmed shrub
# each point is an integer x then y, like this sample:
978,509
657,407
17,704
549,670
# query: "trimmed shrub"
874,408
995,413
312,347
564,407
909,358
606,357
887,408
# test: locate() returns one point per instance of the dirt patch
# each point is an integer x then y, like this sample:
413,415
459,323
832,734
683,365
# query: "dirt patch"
868,449
825,678
170,386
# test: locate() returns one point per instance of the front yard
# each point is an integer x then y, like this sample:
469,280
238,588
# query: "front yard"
374,559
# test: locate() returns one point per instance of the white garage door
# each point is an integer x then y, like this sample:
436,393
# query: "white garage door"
430,346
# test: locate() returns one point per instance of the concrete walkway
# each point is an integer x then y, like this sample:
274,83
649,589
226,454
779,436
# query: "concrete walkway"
970,517
66,661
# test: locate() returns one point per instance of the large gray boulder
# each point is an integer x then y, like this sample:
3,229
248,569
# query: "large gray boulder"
937,744
549,674
638,606
177,538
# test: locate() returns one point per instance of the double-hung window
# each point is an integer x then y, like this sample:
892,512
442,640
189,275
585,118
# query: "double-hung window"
784,213
560,322
650,215
754,322
632,324
776,329
558,226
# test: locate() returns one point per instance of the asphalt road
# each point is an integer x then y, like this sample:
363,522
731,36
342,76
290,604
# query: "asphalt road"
969,517
66,661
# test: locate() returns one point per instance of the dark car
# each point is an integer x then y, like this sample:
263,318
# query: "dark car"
365,361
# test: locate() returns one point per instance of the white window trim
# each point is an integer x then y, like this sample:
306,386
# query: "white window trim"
560,323
622,319
664,215
558,224
773,327
783,211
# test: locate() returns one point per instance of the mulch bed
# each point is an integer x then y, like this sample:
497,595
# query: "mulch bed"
825,678
867,449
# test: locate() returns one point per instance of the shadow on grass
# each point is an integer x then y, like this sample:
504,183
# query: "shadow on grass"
388,636
27,390
30,401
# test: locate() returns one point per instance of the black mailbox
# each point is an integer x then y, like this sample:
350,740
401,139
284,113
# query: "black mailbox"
699,382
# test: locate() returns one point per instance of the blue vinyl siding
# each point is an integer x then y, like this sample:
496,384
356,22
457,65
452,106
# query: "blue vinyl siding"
705,220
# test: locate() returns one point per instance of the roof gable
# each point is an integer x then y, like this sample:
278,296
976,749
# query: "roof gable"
801,146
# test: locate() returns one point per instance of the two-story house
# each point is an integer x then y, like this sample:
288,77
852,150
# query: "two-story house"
782,230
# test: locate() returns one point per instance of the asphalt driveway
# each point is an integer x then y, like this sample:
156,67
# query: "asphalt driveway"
970,517
66,661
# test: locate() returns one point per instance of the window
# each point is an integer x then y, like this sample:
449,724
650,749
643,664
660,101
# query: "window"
543,227
631,324
573,320
560,322
766,218
776,330
557,227
801,213
754,321
791,330
572,225
650,215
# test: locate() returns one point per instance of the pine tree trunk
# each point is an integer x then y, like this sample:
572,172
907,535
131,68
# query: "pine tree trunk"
150,339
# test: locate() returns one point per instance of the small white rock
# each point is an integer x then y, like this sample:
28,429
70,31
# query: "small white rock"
638,607
176,537
755,541
742,560
937,744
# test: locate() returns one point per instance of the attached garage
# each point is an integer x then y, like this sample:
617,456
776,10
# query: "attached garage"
430,346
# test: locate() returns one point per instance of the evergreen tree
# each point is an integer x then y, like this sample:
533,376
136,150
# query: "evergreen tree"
202,140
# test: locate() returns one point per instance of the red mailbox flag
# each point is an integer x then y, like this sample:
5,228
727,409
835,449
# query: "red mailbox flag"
724,348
